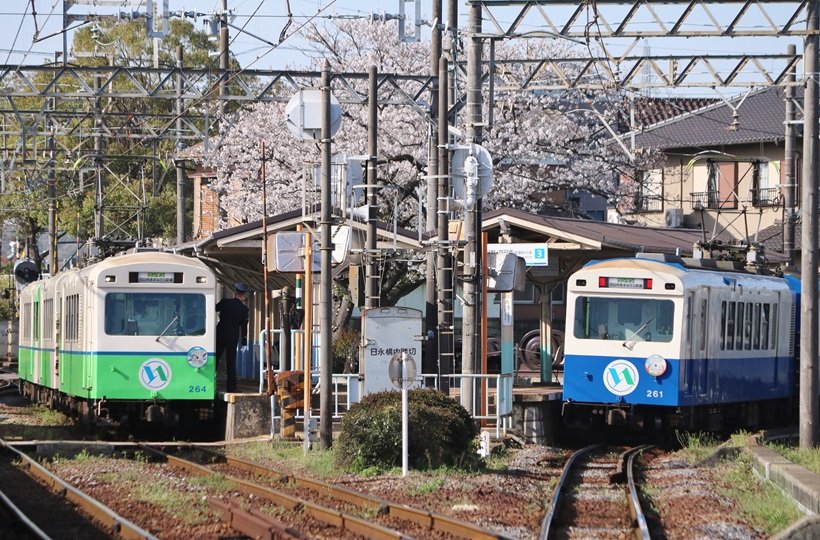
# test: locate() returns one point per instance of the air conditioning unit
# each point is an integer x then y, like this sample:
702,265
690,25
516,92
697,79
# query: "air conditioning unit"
674,217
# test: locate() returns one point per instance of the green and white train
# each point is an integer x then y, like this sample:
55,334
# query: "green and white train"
127,340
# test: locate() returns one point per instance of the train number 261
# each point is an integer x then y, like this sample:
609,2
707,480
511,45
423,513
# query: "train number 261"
654,393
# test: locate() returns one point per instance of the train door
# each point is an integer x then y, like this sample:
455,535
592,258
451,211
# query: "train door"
36,345
701,341
58,314
689,348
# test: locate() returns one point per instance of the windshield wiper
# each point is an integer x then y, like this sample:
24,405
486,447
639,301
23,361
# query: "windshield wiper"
176,317
631,342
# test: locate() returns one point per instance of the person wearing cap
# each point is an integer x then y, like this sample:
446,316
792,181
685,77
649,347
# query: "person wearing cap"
232,325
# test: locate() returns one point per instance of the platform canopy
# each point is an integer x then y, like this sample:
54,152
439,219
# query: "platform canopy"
571,243
235,254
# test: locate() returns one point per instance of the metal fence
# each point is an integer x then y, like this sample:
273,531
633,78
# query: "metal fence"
492,392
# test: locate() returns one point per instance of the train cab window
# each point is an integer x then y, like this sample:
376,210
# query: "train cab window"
624,319
155,314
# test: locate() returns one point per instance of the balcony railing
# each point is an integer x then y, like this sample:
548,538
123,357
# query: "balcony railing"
648,203
769,196
704,199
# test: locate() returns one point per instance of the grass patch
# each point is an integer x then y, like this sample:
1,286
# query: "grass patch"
213,481
50,417
695,445
189,508
805,457
763,504
320,463
430,486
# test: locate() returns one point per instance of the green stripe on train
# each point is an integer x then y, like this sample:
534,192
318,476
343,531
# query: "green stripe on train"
137,376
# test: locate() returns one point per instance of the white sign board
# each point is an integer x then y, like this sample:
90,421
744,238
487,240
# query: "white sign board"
304,114
286,249
533,254
387,331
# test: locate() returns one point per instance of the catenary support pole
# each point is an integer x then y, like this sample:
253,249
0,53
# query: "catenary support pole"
789,178
266,310
472,222
809,184
52,191
99,222
179,162
326,279
430,361
224,56
444,255
371,256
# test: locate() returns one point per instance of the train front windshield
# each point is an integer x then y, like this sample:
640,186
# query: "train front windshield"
630,319
155,314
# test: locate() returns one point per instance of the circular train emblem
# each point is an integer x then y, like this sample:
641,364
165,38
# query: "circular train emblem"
155,374
621,377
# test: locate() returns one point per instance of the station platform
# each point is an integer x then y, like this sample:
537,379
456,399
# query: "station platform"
536,412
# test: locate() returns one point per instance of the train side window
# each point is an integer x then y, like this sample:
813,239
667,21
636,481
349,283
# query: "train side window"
48,318
747,327
757,328
739,327
689,302
27,320
730,326
764,326
773,327
723,326
72,317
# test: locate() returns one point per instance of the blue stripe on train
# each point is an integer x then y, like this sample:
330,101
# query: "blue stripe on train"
610,379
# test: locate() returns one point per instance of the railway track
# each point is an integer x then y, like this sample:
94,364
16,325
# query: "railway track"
348,509
596,497
251,499
68,510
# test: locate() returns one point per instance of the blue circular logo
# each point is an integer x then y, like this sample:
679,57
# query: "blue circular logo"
155,374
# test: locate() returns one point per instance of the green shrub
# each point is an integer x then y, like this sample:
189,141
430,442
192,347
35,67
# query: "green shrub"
441,432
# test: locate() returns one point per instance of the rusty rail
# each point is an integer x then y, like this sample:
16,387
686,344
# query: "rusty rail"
252,523
121,527
428,520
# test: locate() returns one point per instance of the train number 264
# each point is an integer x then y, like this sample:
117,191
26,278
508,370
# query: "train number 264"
197,389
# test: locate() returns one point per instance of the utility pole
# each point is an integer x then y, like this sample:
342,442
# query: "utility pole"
179,162
224,56
371,251
266,298
808,267
471,349
431,361
326,282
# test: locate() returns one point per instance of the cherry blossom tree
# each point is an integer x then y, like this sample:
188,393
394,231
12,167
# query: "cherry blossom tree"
540,141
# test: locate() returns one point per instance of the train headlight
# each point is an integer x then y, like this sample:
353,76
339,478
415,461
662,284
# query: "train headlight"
197,357
655,365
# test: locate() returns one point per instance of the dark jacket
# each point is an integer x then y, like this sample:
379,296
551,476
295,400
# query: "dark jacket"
233,320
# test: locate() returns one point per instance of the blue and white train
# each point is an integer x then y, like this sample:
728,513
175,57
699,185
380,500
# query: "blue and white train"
653,342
